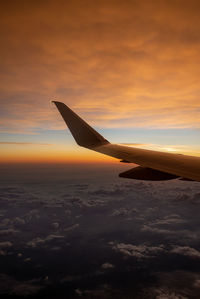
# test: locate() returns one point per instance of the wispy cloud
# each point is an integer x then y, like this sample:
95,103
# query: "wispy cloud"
187,251
22,143
120,64
138,251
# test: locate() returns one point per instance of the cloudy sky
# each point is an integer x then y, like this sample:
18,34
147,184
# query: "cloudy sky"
130,68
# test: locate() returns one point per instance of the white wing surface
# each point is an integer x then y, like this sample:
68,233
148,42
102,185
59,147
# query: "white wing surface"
153,165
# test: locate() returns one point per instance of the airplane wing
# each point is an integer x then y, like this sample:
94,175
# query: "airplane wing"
153,165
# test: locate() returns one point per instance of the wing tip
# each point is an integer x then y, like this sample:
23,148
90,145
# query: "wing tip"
84,134
57,102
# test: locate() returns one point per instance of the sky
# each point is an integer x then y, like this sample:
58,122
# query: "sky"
130,68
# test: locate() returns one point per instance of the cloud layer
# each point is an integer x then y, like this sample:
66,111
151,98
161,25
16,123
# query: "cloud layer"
97,236
130,63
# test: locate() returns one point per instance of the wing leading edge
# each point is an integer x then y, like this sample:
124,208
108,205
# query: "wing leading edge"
154,165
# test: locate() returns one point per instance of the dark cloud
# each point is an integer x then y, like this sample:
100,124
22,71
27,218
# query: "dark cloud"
55,225
74,226
5,245
174,284
78,235
124,211
116,191
156,230
138,251
186,251
42,241
9,285
107,266
19,221
169,219
9,231
164,293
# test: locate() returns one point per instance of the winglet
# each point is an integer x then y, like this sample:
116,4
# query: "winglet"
84,135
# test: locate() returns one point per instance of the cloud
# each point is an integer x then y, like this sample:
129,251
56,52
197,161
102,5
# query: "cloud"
124,212
9,231
146,228
22,143
72,227
138,251
116,191
5,222
147,250
197,283
9,285
181,235
166,293
88,203
89,276
42,241
107,266
28,259
55,225
169,220
15,195
170,225
186,251
103,291
4,245
174,285
25,289
196,197
132,63
19,221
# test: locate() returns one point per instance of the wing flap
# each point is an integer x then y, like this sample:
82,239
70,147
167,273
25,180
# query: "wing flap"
147,174
184,166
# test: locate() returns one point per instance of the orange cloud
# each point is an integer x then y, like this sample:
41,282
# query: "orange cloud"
22,143
119,63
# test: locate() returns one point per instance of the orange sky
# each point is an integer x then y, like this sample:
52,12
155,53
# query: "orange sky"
120,64
44,153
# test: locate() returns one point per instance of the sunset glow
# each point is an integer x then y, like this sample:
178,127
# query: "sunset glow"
29,153
99,149
130,68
